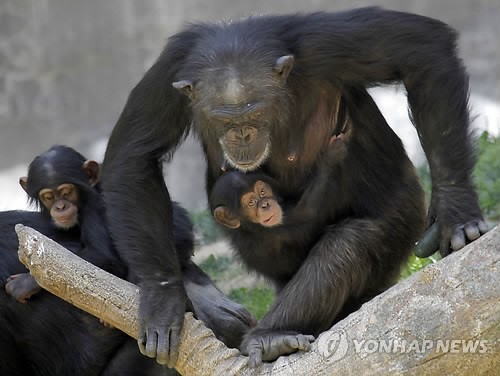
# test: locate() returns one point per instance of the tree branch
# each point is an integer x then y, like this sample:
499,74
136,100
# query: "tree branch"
427,324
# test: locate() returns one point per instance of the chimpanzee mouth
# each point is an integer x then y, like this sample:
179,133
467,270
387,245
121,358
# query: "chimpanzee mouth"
249,165
269,219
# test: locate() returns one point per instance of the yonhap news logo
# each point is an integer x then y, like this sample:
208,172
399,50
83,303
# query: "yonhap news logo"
334,344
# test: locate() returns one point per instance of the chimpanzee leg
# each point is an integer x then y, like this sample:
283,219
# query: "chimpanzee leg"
11,359
340,269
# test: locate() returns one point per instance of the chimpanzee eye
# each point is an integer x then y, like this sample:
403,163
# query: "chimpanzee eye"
262,192
252,202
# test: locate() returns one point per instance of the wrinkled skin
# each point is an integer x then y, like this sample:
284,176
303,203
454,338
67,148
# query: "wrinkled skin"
22,287
261,345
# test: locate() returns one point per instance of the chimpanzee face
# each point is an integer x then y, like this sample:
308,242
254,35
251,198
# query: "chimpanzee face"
239,108
256,203
62,204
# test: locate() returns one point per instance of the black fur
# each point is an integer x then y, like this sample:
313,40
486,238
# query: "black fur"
48,336
385,206
276,252
373,198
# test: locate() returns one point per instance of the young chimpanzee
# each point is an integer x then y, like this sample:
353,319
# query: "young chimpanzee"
64,185
271,235
39,335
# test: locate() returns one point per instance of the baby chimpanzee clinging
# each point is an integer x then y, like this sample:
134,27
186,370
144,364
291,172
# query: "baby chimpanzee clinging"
272,236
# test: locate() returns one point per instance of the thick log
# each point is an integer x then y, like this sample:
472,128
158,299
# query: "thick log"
444,319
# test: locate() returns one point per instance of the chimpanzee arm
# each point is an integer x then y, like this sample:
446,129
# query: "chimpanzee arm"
96,244
138,205
373,45
228,320
307,209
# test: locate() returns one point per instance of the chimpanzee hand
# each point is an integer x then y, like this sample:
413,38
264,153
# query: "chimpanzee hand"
161,315
454,219
267,345
22,287
228,320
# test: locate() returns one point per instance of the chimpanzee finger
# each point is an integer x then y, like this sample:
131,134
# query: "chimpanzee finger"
444,246
142,346
483,227
106,324
298,342
428,243
308,340
472,231
151,344
457,239
163,348
142,337
254,356
168,352
303,343
291,342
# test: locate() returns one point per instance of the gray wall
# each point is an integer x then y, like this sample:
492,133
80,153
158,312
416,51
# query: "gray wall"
67,66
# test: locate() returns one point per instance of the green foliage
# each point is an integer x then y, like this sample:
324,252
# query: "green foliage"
487,180
215,266
256,300
487,176
415,264
225,268
205,226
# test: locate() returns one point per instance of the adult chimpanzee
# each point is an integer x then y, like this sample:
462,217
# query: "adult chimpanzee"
63,184
257,86
277,238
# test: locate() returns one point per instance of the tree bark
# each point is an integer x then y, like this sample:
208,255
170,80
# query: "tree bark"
444,319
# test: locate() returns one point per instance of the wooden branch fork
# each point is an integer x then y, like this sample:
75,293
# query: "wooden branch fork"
444,319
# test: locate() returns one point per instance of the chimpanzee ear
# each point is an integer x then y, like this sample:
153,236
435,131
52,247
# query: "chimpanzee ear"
23,181
223,215
92,169
184,86
284,65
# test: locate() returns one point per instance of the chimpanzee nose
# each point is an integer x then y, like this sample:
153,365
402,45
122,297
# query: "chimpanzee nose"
60,206
264,204
248,134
